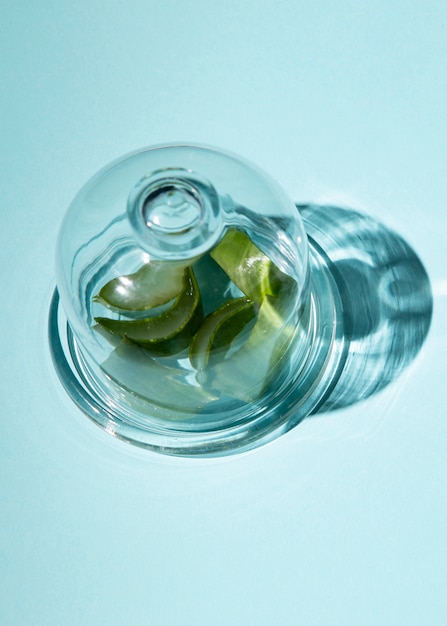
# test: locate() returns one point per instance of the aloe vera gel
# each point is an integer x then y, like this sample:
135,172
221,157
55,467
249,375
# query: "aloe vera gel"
185,316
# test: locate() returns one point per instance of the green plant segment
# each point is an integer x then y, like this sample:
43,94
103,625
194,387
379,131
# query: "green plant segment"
154,284
219,330
235,346
248,267
249,370
167,332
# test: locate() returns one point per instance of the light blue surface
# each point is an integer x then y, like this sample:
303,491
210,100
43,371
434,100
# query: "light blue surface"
343,520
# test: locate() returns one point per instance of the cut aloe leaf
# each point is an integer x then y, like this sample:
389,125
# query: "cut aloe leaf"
168,332
248,267
219,330
154,284
162,385
246,374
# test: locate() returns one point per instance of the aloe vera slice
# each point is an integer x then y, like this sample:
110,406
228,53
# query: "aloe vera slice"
219,330
154,284
169,332
248,267
133,368
248,371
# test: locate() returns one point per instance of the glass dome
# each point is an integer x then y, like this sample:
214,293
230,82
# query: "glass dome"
188,319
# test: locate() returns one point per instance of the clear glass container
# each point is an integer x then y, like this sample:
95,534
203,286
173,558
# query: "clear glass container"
191,314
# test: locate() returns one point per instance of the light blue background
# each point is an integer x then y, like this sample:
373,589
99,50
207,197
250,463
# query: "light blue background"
343,520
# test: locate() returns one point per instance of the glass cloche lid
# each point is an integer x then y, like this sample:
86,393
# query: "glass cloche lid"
185,317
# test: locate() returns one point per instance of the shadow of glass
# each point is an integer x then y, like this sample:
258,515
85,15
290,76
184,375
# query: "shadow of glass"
386,299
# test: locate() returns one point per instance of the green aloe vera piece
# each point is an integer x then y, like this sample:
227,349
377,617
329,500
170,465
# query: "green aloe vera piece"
162,385
154,284
248,267
248,371
168,332
219,329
